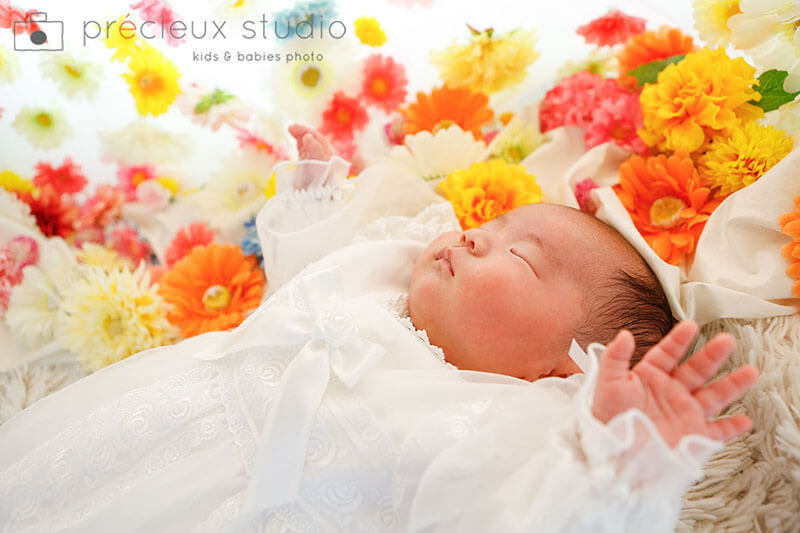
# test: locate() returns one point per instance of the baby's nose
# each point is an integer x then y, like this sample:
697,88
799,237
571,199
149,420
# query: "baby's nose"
475,241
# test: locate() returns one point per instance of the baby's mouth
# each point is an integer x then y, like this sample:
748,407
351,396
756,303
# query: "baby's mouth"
446,256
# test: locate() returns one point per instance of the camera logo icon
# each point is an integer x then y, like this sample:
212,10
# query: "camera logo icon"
48,35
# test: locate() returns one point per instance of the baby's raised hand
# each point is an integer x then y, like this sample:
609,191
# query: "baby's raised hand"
675,398
311,144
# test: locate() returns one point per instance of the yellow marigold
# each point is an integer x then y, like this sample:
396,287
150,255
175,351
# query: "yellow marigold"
489,63
109,315
153,81
12,182
742,156
790,225
705,93
369,31
488,189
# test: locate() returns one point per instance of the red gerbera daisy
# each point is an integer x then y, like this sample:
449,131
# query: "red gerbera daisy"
384,83
196,234
612,28
9,15
343,117
64,179
54,212
130,178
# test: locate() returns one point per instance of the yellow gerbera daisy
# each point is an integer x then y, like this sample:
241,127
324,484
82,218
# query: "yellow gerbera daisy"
489,63
369,31
13,182
486,190
153,81
108,315
738,159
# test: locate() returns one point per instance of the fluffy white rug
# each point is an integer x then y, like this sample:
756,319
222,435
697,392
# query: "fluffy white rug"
751,485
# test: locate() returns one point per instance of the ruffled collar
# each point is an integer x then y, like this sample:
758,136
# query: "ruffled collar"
398,308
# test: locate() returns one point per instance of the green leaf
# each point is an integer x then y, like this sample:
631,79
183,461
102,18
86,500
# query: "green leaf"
648,73
770,85
217,96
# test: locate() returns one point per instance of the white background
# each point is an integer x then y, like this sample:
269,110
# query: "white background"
411,33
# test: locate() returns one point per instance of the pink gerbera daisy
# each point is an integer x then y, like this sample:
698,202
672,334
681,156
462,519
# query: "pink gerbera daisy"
64,179
196,234
612,28
342,117
130,178
384,82
248,139
125,240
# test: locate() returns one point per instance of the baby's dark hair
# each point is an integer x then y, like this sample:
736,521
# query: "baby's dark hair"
631,299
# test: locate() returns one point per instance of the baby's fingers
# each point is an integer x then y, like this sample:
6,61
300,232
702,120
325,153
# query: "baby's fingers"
616,359
718,395
700,367
666,354
730,427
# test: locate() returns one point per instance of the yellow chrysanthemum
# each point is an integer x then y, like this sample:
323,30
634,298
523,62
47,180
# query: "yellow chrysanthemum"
738,159
153,81
13,182
123,48
97,255
488,189
369,31
705,93
489,63
107,316
711,20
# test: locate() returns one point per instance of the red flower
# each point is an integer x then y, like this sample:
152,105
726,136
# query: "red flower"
64,179
343,117
196,234
103,208
126,242
130,178
55,213
612,28
9,15
384,83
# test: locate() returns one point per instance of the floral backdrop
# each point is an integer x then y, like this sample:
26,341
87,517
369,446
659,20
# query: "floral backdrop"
703,108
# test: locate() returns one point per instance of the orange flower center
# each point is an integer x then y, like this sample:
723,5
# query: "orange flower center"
310,77
138,177
216,297
72,71
665,213
343,116
245,191
113,325
150,83
238,3
379,86
44,120
444,124
619,132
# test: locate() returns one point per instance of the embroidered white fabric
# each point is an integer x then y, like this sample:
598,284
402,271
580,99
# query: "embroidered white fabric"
164,440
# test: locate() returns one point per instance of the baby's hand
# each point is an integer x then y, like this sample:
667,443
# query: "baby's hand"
675,399
311,144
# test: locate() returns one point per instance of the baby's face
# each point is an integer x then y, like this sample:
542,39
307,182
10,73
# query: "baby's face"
508,296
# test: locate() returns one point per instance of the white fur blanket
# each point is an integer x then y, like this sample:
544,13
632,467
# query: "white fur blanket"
753,484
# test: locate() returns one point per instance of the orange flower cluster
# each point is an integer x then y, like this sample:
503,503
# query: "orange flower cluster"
666,201
446,106
212,288
790,225
651,46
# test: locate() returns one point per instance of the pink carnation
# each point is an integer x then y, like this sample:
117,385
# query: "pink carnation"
617,120
583,193
126,242
612,28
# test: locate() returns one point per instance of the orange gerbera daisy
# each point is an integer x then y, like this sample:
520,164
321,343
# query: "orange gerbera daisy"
212,288
446,106
666,201
790,225
651,46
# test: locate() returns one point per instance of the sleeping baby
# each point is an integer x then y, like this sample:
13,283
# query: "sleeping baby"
401,376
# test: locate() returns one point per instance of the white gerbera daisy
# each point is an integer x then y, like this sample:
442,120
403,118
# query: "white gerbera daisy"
303,86
711,20
9,66
43,127
141,142
433,157
12,208
601,61
212,107
235,193
34,303
74,77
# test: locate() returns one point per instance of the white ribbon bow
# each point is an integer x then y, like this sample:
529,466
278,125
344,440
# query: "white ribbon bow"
331,342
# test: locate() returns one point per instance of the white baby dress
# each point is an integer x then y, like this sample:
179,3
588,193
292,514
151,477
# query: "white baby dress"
326,411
